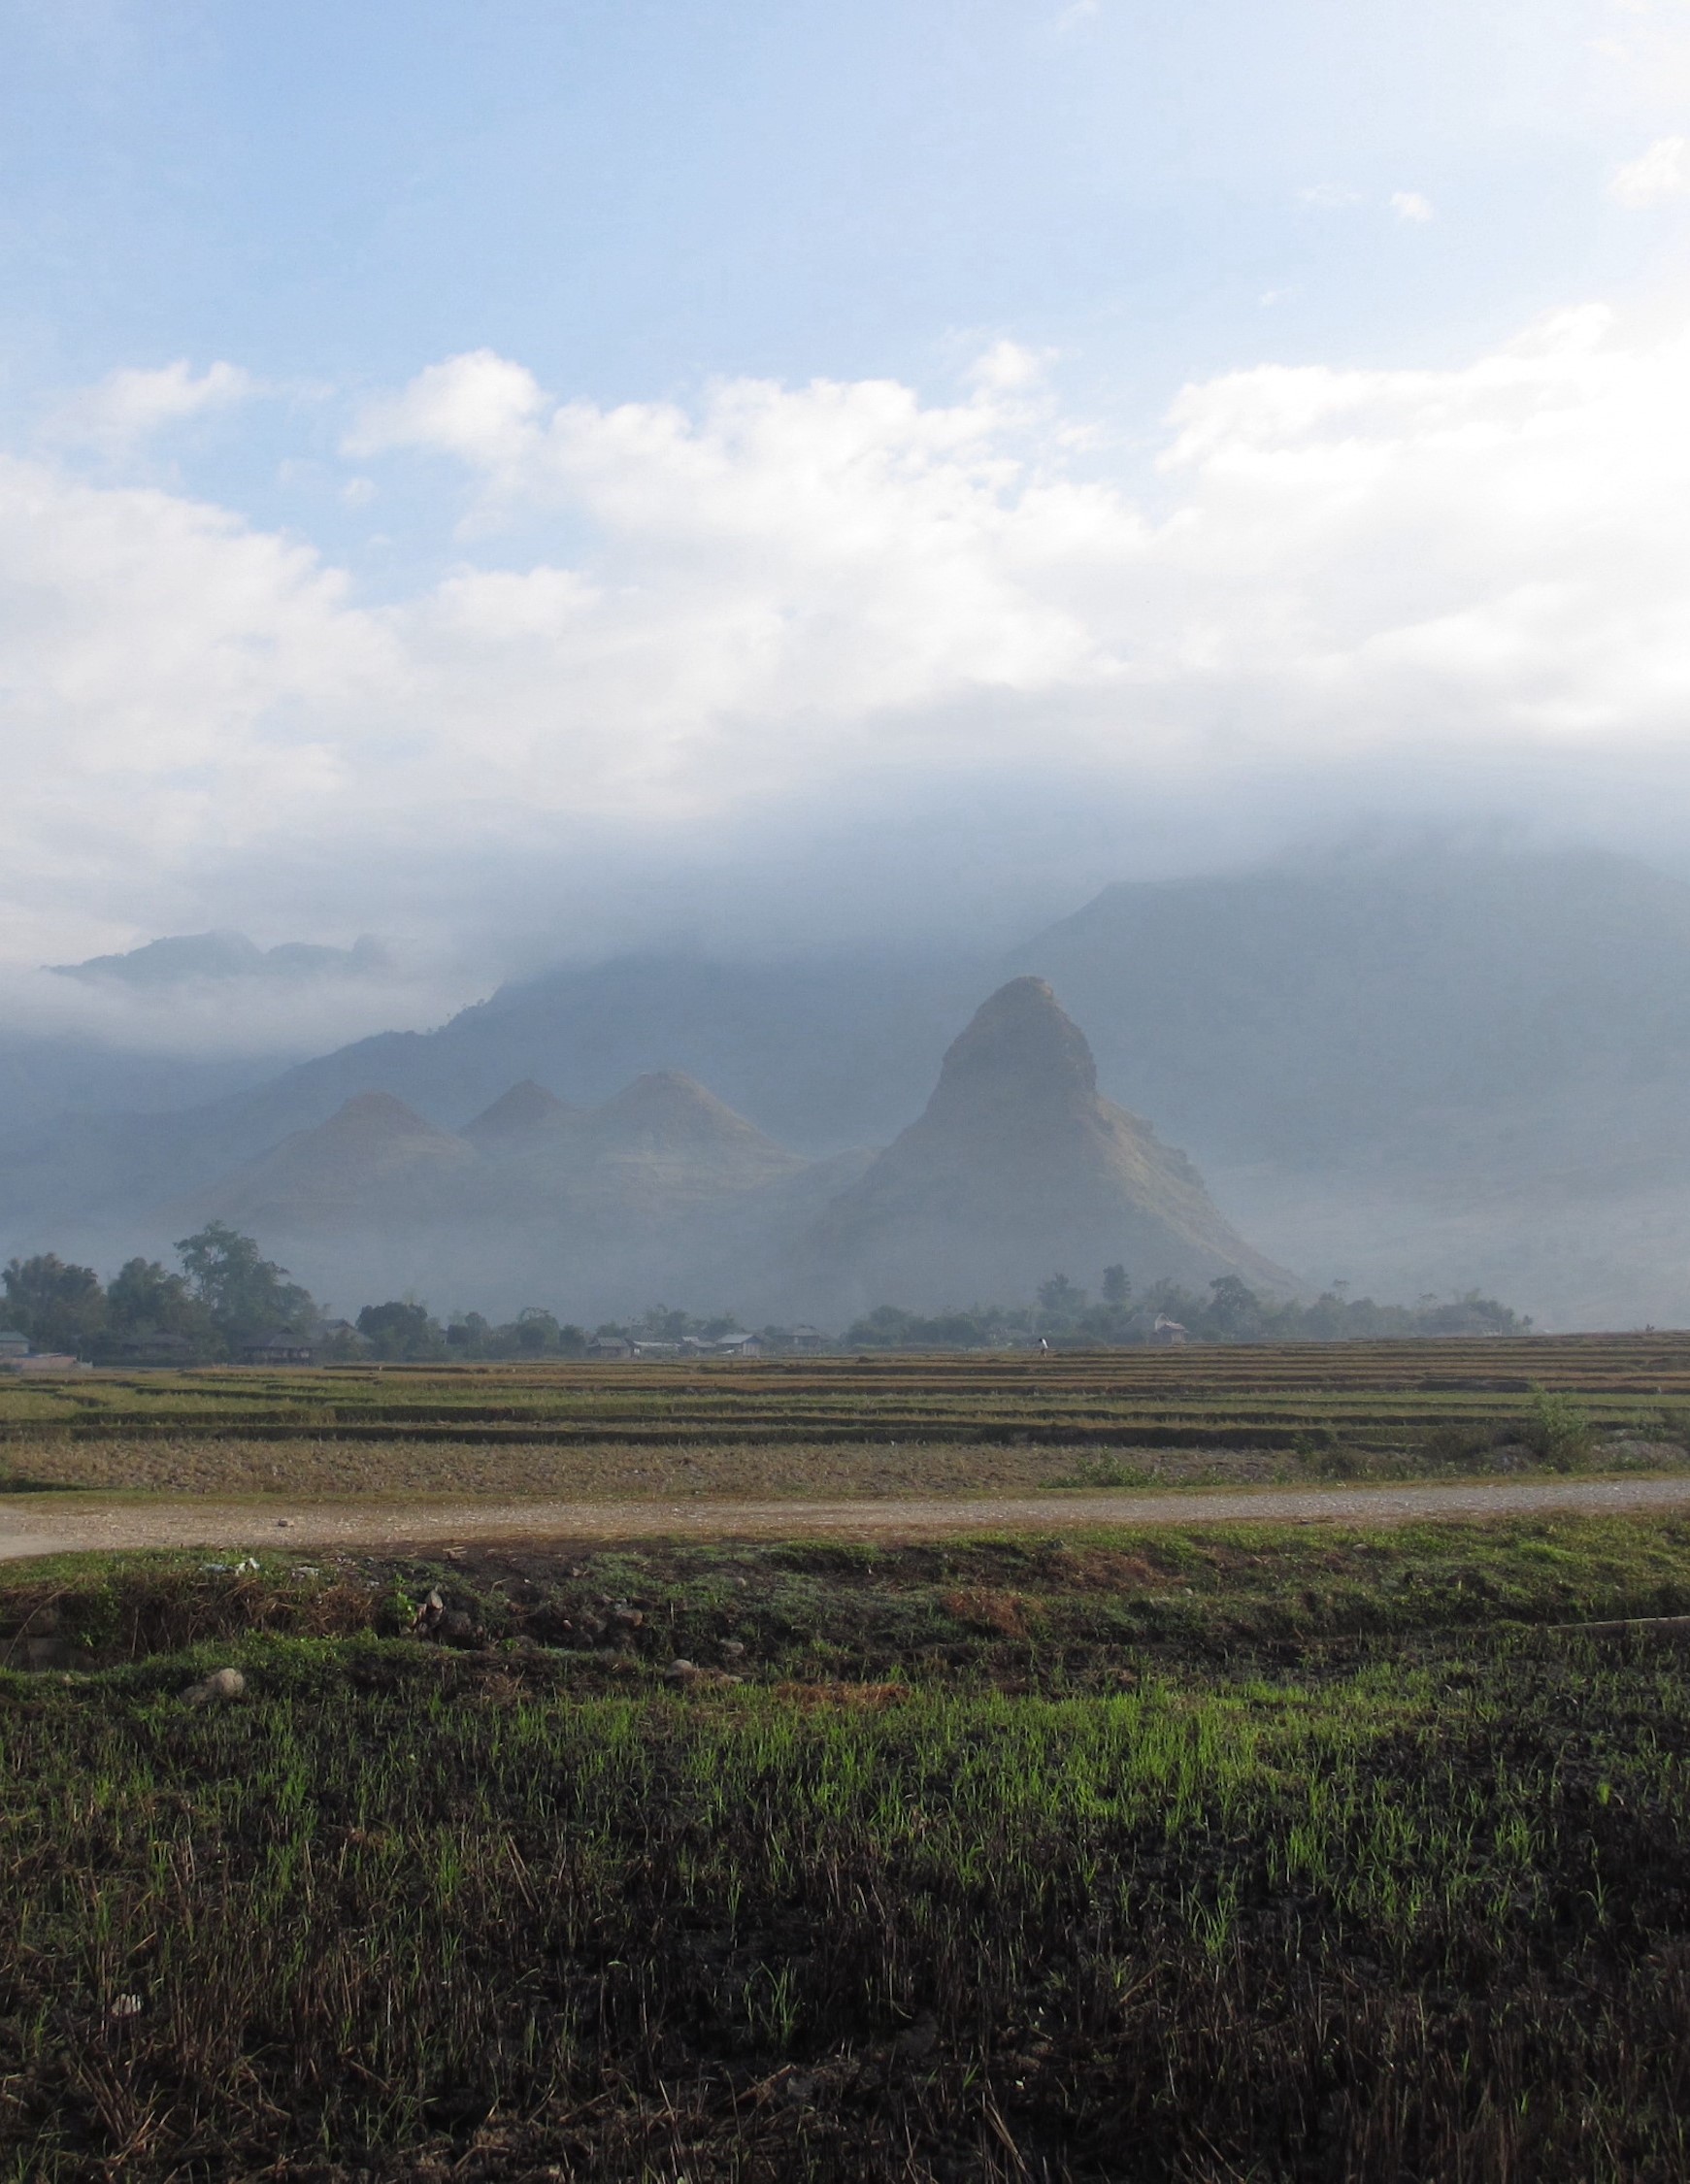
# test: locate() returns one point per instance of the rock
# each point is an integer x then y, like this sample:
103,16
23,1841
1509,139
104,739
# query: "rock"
457,1626
284,1524
734,1648
429,1613
220,1684
630,1617
682,1672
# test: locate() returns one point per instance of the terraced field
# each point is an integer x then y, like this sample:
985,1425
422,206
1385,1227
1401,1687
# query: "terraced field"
1363,1396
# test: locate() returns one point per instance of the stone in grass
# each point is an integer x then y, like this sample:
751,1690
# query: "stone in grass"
220,1684
690,1676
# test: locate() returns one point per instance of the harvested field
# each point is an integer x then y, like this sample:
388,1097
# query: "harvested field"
594,1471
1264,1855
1348,1851
875,1426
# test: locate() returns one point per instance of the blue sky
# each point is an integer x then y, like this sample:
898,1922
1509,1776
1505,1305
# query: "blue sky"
1089,248
636,197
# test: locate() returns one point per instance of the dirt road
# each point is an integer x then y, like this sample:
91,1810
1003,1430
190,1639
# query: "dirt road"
43,1524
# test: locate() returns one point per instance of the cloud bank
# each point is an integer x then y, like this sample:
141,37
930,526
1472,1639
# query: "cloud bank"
938,637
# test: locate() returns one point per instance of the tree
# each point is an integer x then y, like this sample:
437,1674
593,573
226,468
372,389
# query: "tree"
59,1306
1235,1309
1117,1290
1059,1299
399,1330
537,1331
144,1299
247,1295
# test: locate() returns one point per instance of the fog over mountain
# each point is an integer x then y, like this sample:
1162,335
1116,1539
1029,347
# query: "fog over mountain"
1416,1069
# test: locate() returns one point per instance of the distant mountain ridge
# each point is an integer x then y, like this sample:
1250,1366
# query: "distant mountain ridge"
1016,1170
1419,1070
184,958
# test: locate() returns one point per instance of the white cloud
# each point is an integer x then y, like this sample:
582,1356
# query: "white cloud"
1408,204
477,406
797,601
1330,197
127,406
1661,173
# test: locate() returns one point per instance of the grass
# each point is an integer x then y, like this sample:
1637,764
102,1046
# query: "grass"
1194,1854
1172,1855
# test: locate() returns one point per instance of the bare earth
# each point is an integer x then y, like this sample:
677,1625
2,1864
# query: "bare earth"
68,1523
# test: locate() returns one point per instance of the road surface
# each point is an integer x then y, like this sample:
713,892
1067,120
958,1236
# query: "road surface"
45,1524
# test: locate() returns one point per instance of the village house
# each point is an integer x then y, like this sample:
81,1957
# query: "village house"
278,1348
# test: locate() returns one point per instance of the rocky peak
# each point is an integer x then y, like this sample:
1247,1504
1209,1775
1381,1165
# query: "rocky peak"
668,1110
1021,1057
377,1115
526,1109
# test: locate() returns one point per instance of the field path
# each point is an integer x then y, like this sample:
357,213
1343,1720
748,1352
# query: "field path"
44,1524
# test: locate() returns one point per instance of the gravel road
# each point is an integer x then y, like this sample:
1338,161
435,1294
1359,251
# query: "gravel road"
43,1524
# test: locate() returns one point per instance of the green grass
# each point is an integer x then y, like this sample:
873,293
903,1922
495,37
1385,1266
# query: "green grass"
1294,1855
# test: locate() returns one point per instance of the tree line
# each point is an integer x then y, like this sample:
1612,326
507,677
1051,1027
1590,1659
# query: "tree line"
1068,1316
225,1299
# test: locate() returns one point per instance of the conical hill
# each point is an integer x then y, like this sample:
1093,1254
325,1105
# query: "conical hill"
1019,1169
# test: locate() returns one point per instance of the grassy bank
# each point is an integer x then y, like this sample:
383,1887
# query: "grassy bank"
1191,1856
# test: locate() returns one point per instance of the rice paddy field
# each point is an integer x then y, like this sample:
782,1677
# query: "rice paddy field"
870,1426
1198,1854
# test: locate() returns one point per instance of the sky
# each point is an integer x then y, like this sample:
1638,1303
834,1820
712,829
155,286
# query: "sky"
527,480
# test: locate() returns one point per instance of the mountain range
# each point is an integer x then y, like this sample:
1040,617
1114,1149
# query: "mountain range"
1015,1168
1421,1069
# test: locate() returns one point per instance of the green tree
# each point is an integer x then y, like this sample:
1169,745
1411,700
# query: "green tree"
399,1330
247,1295
1060,1302
143,1298
1117,1290
59,1306
1234,1309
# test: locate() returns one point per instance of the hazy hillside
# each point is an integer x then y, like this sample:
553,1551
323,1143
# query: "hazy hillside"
1016,1170
1017,1161
1369,1005
46,1078
1417,1070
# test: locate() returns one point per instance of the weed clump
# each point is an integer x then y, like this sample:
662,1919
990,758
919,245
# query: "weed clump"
1557,1431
